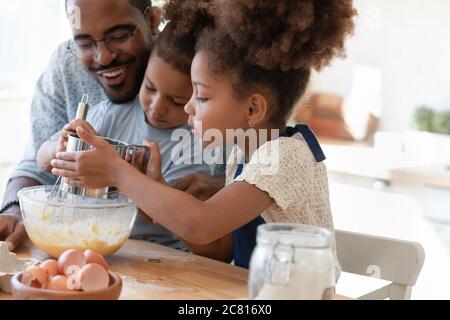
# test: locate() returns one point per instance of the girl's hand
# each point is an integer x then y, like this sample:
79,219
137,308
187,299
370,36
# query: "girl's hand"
96,168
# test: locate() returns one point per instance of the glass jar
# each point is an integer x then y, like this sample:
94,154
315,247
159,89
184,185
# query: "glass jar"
293,262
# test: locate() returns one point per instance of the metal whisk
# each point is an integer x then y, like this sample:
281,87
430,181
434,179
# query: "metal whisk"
61,191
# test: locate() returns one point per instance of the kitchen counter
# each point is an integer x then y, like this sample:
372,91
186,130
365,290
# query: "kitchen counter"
153,272
433,176
364,161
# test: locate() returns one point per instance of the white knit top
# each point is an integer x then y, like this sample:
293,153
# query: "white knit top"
286,169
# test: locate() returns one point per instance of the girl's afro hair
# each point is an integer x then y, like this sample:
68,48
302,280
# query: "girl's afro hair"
287,34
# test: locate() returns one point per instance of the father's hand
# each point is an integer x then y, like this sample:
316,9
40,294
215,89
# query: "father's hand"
201,185
12,229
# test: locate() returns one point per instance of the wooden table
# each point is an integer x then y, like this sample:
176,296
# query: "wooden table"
153,272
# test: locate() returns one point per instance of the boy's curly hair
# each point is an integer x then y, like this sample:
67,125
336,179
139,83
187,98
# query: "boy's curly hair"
176,43
191,16
274,45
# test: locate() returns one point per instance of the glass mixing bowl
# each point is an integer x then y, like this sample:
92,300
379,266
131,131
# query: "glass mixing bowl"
56,222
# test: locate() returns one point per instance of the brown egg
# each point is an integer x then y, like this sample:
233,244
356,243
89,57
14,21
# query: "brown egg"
58,283
35,277
71,261
93,277
94,257
51,266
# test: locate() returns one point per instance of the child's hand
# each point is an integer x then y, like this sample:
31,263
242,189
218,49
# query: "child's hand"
154,170
141,158
200,185
91,169
155,163
71,128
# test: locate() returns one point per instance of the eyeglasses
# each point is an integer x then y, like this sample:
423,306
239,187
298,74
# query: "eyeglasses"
117,41
87,48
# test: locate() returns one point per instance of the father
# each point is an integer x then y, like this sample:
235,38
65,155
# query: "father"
123,32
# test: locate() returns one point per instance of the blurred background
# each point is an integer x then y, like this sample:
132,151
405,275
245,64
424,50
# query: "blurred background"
382,114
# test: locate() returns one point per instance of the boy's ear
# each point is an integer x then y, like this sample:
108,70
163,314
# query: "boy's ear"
153,17
257,110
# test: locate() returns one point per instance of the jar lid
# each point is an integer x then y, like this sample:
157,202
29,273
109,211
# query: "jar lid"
294,235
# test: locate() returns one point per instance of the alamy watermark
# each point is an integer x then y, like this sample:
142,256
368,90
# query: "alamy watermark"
74,16
214,147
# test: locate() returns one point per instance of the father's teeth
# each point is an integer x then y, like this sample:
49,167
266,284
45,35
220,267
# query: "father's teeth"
114,74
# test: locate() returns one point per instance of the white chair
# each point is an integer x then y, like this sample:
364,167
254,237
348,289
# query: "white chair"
393,260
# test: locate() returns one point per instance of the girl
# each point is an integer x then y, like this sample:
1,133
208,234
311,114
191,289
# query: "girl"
247,75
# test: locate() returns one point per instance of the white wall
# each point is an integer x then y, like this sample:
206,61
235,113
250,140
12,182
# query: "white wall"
29,32
409,42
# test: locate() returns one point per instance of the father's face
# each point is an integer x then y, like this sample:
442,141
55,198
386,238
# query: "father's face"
118,65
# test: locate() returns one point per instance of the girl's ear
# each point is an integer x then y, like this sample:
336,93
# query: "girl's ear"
154,19
257,110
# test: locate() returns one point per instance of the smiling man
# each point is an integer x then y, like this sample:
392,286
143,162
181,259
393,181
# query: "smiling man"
114,42
106,59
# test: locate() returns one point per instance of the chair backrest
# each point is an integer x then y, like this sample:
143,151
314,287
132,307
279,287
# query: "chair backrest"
398,261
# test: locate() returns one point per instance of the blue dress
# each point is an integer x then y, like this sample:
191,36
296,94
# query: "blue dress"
244,238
